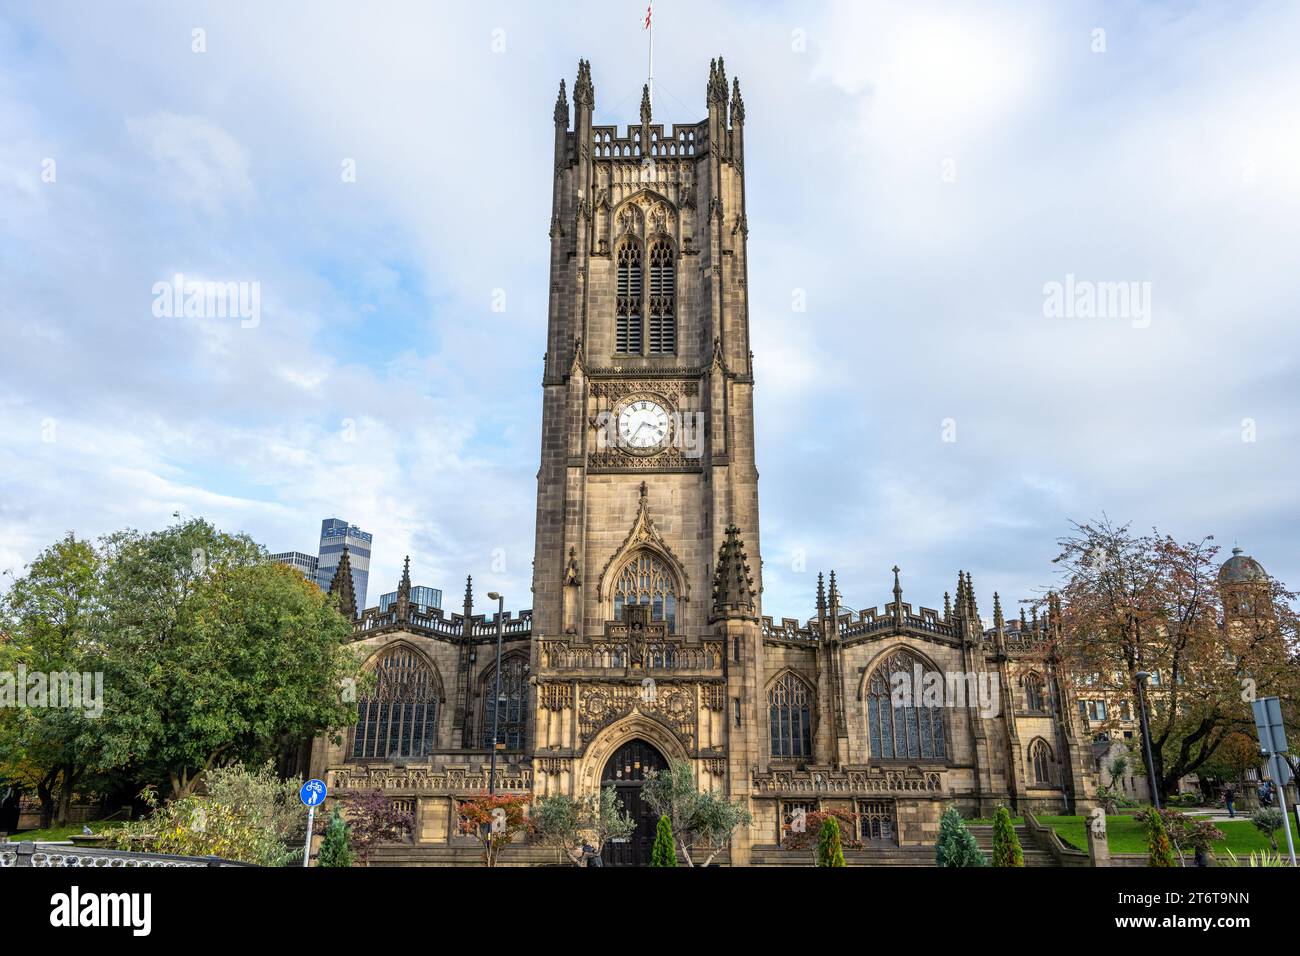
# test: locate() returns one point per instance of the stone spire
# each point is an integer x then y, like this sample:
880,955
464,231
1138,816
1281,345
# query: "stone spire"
562,108
733,584
947,608
717,90
737,104
998,622
404,591
341,584
821,596
584,94
469,595
645,105
898,598
973,612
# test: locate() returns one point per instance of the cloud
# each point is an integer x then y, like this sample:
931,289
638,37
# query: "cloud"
917,173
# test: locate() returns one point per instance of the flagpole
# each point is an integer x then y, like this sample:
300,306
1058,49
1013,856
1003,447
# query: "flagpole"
649,19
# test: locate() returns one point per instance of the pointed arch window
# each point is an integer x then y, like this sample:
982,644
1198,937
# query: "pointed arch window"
627,337
910,728
790,715
400,716
511,701
1043,762
663,315
647,579
1035,693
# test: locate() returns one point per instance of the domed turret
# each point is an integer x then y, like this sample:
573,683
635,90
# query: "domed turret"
1244,585
1241,569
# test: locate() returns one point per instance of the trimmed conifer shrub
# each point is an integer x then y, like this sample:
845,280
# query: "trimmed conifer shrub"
829,850
334,849
956,846
1006,845
1161,851
663,853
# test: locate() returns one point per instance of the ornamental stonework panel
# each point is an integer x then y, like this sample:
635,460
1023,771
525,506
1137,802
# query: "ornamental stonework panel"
673,706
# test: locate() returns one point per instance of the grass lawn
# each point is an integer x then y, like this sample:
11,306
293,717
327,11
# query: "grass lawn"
64,833
1124,834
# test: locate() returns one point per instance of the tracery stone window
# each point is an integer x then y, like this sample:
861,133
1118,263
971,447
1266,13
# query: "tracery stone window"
627,338
400,716
512,700
1043,761
1035,692
663,316
790,714
910,730
646,579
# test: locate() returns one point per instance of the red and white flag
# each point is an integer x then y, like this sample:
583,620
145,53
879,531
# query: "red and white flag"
648,11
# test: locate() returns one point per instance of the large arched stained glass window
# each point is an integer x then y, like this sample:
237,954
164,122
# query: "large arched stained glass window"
790,713
906,730
647,580
400,716
511,701
627,338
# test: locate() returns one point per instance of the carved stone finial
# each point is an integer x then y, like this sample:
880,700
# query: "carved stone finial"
341,584
645,108
584,94
562,108
737,104
733,584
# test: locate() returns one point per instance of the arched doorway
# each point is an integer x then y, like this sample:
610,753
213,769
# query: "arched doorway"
625,771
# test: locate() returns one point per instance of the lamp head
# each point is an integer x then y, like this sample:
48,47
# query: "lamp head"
493,596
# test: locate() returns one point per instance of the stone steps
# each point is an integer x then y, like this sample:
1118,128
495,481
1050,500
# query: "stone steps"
1034,856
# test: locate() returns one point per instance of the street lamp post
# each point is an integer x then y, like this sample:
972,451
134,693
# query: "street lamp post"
496,693
1146,738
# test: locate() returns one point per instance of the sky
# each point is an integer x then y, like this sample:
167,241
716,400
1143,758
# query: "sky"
924,183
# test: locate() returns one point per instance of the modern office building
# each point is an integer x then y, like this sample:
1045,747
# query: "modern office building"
306,563
334,534
421,597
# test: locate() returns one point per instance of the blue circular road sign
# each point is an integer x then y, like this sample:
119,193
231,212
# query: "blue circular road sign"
312,793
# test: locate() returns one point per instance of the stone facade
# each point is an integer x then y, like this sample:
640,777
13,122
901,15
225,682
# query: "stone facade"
647,622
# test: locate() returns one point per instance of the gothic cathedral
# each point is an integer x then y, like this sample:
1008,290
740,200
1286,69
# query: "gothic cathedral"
646,642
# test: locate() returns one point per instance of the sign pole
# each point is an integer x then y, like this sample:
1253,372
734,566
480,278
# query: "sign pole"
1273,745
306,848
312,794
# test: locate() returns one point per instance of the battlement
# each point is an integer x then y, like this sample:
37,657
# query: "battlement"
442,624
684,142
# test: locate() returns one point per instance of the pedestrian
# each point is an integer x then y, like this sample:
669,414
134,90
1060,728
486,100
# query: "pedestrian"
1228,796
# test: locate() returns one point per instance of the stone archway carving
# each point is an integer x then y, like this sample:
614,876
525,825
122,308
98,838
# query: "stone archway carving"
607,742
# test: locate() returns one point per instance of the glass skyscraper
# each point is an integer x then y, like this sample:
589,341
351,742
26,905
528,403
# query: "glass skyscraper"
421,597
334,534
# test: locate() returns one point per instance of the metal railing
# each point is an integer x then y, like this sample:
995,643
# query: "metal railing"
28,853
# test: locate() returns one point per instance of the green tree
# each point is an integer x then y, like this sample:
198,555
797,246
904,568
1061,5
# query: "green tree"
1268,820
334,849
663,853
829,851
956,846
700,820
569,823
214,654
46,620
1006,845
1160,851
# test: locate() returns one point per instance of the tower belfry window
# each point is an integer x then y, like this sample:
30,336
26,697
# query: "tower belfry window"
663,319
628,332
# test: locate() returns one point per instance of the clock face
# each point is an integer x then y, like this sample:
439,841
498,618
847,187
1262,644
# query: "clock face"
642,424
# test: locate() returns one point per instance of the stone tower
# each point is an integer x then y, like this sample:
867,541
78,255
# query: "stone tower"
647,409
647,455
